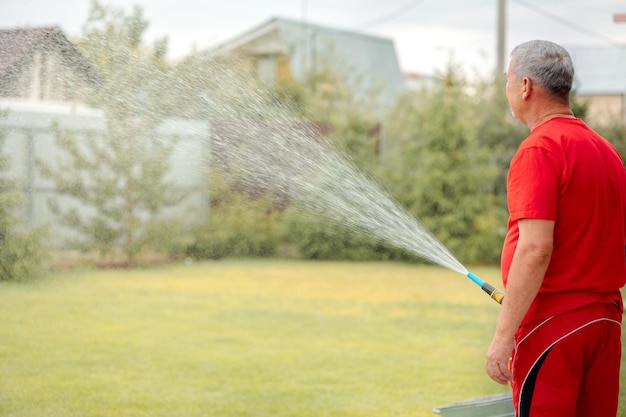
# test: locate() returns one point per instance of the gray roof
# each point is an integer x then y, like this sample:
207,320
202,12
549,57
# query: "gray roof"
370,61
15,43
599,69
19,44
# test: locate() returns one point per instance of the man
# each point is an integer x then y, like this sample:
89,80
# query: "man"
557,338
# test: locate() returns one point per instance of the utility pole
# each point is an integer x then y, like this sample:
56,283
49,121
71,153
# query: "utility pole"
501,43
621,18
304,34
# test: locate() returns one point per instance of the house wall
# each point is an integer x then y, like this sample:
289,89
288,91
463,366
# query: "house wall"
605,109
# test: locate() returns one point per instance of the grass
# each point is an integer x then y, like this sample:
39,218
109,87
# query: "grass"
245,338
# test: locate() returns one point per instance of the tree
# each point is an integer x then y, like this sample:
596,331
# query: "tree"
241,224
118,174
615,132
442,173
351,122
21,250
497,130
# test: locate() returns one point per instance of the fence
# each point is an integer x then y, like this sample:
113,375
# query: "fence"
29,137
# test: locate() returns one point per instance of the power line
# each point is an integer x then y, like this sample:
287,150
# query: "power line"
392,15
570,24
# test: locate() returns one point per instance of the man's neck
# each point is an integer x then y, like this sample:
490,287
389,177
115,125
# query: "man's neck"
545,113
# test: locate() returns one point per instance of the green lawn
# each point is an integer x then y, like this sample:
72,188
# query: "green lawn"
245,338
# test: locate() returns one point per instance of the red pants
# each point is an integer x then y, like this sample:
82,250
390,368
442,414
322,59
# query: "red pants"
568,365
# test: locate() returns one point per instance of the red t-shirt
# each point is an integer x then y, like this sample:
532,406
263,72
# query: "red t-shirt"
566,172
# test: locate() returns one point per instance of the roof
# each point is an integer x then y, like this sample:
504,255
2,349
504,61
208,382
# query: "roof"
370,60
18,44
599,69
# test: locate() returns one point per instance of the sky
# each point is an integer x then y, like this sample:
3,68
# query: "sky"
427,34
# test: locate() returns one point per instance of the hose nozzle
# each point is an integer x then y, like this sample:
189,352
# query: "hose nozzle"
495,294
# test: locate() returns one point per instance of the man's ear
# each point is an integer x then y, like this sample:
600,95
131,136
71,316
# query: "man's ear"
528,88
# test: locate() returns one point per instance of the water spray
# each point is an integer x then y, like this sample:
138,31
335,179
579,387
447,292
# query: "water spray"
257,140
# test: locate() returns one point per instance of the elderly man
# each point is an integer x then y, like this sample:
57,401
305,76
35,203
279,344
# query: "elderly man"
557,338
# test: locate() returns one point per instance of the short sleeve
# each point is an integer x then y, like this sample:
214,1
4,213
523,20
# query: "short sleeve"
533,184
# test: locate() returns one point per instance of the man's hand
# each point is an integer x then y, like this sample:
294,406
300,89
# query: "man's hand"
498,360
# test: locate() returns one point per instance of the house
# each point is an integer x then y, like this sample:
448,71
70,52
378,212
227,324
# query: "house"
285,49
600,80
41,64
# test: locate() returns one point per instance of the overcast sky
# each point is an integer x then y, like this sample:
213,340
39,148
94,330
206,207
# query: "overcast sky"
426,33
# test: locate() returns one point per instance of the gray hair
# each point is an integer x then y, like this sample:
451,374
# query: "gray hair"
545,63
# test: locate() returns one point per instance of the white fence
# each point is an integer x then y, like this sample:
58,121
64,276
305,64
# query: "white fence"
29,137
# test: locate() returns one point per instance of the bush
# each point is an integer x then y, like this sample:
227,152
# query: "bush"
322,239
171,237
243,227
22,256
21,250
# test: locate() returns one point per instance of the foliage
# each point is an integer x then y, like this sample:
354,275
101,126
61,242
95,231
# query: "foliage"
21,250
119,180
242,228
615,132
497,131
351,122
580,107
208,88
238,225
446,155
243,220
172,236
118,173
442,173
322,239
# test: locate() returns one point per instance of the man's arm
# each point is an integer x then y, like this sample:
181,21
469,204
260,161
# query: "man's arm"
529,265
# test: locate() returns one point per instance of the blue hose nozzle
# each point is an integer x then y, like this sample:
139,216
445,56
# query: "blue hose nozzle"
494,293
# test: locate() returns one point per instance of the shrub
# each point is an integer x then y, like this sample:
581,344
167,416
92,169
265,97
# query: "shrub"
322,239
243,227
21,249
